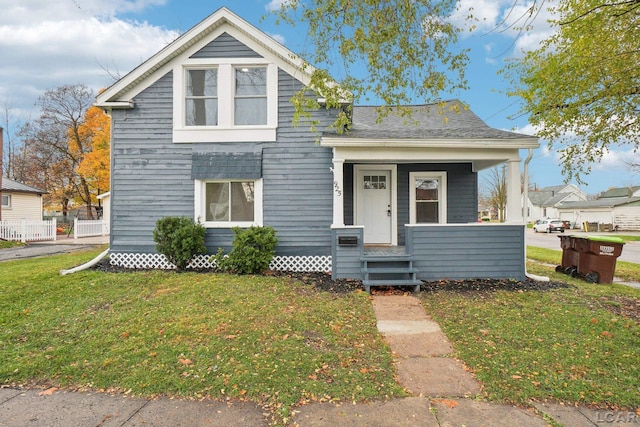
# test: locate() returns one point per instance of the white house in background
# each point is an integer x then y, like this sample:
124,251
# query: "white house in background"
619,207
106,206
21,201
545,202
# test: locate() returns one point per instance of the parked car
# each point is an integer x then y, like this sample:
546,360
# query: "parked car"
548,225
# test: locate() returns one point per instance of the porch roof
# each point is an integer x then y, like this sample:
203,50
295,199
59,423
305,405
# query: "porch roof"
434,125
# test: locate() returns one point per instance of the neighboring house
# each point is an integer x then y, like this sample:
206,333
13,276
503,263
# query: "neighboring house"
105,200
544,202
618,207
632,191
204,129
21,201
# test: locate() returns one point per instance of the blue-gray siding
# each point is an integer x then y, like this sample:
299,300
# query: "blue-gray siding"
152,176
464,252
225,46
346,260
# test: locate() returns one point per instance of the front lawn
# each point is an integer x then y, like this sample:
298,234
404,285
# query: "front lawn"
579,344
270,340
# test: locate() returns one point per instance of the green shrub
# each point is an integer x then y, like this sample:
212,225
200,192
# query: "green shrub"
253,249
179,239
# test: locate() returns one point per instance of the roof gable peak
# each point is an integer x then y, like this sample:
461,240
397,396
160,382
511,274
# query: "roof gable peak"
120,94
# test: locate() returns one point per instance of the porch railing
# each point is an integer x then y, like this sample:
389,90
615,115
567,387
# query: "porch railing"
22,230
89,228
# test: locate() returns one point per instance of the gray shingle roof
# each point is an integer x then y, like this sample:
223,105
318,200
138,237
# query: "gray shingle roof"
600,203
619,192
426,122
11,185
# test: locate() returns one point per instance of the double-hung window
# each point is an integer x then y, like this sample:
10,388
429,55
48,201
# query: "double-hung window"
201,99
250,106
6,201
428,197
229,203
219,100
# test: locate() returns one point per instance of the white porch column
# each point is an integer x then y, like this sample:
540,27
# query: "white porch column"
338,192
514,207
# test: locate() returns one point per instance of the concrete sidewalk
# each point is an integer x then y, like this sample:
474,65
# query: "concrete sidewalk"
444,394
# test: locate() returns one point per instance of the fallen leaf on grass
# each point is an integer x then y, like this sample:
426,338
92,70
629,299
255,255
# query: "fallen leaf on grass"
516,377
48,392
185,362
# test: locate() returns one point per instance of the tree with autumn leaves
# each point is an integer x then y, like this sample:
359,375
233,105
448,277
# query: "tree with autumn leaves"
66,150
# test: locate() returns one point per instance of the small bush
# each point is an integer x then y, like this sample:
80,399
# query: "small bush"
179,239
253,249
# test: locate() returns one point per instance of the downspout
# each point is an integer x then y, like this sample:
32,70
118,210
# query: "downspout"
525,211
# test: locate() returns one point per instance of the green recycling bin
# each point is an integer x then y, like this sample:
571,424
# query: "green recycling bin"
597,257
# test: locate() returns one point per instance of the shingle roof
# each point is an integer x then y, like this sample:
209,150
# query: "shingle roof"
11,185
600,203
619,192
426,122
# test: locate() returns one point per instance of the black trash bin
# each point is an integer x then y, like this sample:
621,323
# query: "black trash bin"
597,257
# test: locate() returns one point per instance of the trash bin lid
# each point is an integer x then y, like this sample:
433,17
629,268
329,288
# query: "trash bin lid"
608,239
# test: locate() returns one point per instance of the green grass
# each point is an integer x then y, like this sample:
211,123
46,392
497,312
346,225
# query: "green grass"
568,345
270,340
6,244
624,270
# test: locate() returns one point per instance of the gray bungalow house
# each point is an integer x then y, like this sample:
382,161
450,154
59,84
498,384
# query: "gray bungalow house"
204,129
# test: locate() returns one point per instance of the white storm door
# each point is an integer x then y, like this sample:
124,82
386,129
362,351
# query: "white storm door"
373,205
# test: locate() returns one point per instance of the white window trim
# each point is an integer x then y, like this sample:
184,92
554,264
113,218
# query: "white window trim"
442,194
8,205
200,205
226,130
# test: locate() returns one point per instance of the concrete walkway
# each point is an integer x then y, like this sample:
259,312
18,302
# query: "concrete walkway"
444,395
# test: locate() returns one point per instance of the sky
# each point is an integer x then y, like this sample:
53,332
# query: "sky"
46,44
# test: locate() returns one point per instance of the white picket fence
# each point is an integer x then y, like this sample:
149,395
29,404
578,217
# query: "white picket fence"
88,228
22,230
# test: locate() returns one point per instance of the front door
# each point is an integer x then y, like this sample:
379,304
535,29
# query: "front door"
373,205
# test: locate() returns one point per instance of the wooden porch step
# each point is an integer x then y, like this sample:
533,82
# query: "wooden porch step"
389,270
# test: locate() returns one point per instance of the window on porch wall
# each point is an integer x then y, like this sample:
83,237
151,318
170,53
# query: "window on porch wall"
428,198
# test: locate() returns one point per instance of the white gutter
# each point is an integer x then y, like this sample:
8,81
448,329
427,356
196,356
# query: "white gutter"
85,265
525,211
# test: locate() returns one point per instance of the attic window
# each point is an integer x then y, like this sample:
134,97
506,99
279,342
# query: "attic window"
217,100
201,105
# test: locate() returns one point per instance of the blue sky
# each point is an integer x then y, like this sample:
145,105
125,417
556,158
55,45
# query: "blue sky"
45,44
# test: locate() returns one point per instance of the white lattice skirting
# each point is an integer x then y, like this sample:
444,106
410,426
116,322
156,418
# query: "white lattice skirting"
159,261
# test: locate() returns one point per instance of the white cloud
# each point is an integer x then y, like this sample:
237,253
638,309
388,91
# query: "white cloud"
275,4
278,37
47,44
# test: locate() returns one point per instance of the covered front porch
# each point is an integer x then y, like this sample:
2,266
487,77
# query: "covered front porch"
414,190
432,252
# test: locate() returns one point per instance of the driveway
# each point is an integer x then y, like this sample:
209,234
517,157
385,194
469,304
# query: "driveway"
62,245
630,251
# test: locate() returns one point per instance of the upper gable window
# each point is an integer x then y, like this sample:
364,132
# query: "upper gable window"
216,100
251,96
201,103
